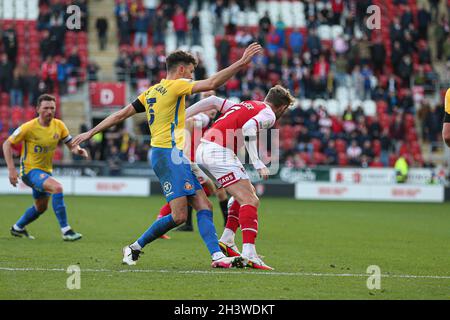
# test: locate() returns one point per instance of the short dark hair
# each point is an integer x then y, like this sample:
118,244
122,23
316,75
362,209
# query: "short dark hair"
279,96
45,97
179,57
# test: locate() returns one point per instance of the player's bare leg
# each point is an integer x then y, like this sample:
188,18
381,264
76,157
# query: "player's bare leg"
52,186
245,194
208,233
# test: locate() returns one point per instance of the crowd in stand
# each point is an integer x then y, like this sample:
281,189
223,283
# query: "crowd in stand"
311,68
18,78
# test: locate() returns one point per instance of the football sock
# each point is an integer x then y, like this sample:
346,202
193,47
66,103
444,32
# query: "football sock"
224,208
248,219
233,217
227,237
207,230
156,230
249,250
60,209
189,217
164,211
29,216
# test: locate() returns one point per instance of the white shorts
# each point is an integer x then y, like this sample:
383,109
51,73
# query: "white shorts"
221,162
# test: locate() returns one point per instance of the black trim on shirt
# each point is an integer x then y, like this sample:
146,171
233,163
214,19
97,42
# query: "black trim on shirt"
138,106
447,117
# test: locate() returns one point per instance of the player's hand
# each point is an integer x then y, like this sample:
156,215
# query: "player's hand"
83,152
251,50
264,173
13,177
81,138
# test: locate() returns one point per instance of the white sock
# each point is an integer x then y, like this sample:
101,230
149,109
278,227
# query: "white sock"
217,255
249,250
65,229
17,228
135,246
227,237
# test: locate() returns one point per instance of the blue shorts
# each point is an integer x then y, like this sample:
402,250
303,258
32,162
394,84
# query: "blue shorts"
35,180
174,173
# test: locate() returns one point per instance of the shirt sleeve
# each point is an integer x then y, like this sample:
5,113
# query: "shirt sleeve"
19,134
212,102
139,103
265,119
184,87
65,135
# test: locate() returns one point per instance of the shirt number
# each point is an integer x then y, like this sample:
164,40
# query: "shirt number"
151,113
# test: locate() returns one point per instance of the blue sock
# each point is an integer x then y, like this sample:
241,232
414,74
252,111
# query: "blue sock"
208,230
29,216
60,209
156,230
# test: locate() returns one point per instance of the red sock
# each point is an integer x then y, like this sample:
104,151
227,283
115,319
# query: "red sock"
164,211
206,189
233,217
248,219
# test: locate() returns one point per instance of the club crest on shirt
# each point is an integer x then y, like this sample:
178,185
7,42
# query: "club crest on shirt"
56,136
188,186
167,186
42,176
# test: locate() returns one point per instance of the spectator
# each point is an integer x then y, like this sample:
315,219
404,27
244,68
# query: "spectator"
62,77
331,154
114,160
124,27
224,52
195,30
32,85
6,73
74,63
405,70
49,73
265,23
102,32
218,9
180,24
17,89
353,153
10,45
378,54
123,63
296,41
234,10
159,28
442,30
92,70
313,43
424,20
141,25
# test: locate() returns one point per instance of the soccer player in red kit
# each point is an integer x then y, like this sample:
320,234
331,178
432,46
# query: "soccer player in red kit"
217,153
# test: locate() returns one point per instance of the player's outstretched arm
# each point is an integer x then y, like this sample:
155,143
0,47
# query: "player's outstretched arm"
212,102
12,172
111,120
222,76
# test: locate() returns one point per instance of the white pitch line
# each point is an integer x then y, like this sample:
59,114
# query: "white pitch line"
248,272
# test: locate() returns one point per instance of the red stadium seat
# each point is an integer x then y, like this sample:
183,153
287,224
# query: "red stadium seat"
317,144
376,147
342,159
341,146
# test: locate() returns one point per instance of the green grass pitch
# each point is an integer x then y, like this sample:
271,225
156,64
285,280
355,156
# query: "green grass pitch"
320,250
